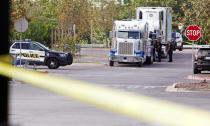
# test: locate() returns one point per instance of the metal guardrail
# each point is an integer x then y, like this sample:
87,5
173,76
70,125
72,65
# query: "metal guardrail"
93,45
190,46
104,46
139,107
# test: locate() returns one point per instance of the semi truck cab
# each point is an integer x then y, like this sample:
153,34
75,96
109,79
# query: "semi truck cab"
129,42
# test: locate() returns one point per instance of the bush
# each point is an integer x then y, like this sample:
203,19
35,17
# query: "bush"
67,44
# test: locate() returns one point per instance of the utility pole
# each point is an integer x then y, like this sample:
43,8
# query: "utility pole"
91,34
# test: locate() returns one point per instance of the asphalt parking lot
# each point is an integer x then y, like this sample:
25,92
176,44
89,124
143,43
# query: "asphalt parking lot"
30,106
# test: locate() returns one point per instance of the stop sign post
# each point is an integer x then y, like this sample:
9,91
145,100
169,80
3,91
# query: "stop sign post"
193,33
21,25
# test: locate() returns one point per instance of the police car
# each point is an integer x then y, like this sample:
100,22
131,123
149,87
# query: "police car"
36,53
202,59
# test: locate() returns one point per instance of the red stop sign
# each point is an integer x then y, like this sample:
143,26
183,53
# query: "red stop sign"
193,33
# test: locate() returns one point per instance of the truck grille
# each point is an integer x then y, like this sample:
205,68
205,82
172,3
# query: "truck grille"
125,48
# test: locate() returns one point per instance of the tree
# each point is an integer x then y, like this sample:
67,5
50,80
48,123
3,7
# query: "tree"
197,12
41,16
19,9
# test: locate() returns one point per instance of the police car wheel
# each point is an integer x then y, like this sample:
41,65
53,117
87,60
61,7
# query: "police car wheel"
52,63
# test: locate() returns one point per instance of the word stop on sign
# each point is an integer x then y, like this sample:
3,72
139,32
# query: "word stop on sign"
193,32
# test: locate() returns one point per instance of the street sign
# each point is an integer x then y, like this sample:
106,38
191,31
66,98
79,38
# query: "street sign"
193,33
21,25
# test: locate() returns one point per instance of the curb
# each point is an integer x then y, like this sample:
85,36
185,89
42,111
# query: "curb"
196,77
173,89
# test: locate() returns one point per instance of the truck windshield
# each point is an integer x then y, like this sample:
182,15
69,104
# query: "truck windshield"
128,35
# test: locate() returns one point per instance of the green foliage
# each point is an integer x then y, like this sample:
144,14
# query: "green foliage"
47,15
197,12
67,44
37,31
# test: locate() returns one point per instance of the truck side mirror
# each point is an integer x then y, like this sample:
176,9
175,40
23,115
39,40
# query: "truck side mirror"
110,34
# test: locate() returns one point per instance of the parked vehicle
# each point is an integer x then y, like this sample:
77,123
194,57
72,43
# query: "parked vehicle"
129,43
159,21
202,59
178,40
35,53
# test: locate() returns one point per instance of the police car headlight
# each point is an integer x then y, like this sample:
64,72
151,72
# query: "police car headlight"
62,55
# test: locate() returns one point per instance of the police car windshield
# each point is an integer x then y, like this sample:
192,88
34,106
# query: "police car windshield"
128,35
44,47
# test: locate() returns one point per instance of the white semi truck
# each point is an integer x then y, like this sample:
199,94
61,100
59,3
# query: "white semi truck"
159,21
177,37
129,43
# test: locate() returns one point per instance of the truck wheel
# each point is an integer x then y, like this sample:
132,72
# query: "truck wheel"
154,57
52,63
149,60
140,64
111,63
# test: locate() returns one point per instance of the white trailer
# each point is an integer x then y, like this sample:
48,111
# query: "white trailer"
159,21
129,43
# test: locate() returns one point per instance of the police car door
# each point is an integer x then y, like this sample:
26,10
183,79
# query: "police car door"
24,51
37,53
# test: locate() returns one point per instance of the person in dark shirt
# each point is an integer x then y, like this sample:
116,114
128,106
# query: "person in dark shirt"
170,51
158,49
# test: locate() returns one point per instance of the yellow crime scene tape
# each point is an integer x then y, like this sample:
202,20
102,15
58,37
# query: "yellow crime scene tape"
139,107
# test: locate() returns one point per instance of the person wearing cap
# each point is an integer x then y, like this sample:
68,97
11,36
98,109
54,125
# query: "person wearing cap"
170,51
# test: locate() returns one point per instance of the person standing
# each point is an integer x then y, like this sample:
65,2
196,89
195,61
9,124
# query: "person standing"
158,49
170,51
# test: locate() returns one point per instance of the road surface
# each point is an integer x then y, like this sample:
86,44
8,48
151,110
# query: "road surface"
30,106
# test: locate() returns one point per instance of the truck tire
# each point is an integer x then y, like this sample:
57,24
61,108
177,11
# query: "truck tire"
154,56
140,64
52,63
149,60
181,48
111,63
